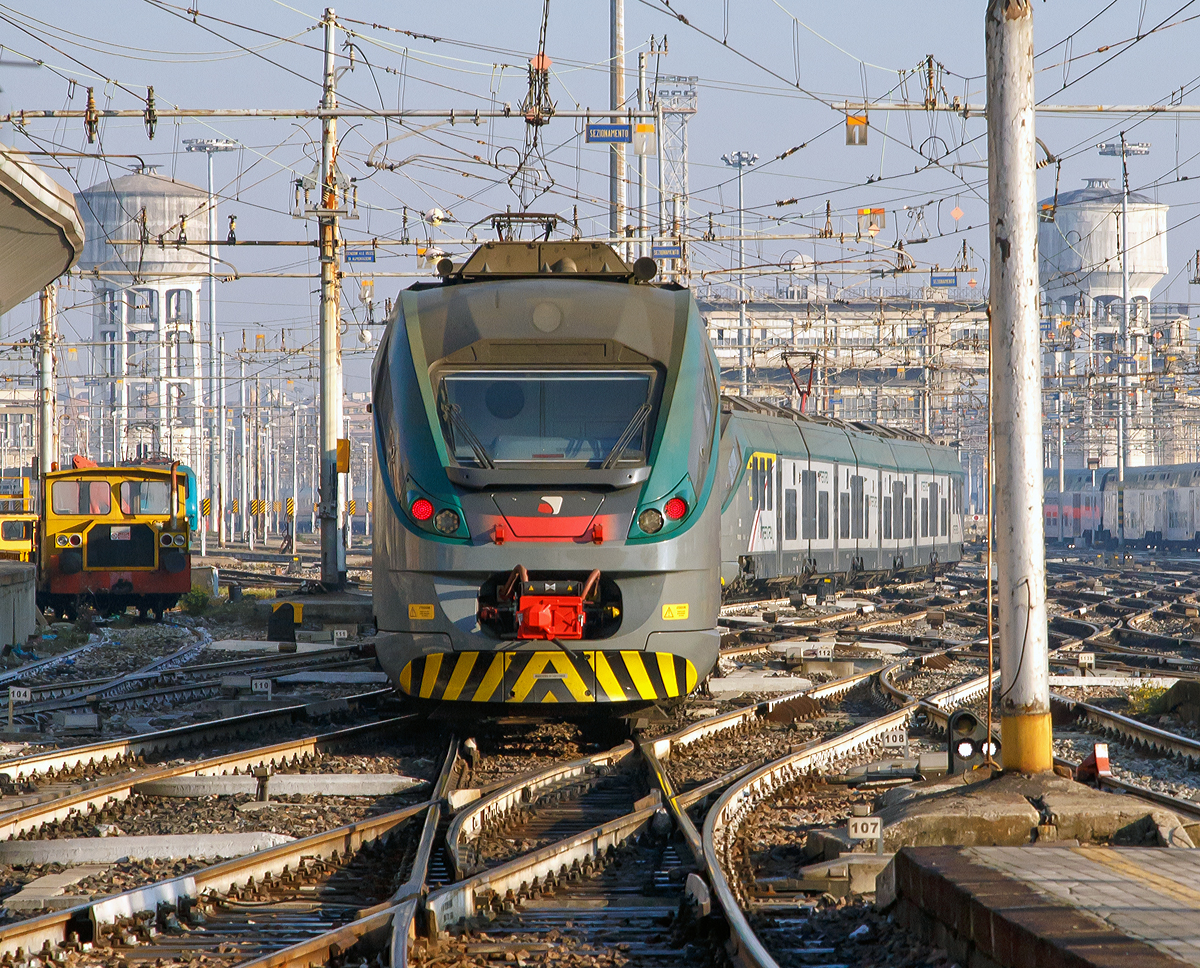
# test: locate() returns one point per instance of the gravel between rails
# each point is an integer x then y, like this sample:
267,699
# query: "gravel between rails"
508,751
1161,774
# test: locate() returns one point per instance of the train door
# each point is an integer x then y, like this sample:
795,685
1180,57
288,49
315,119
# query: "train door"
763,531
925,525
956,511
791,543
940,507
887,533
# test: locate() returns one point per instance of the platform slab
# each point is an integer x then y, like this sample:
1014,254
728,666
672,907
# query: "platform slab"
1051,906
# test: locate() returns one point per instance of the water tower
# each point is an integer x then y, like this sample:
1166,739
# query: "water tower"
1079,263
146,378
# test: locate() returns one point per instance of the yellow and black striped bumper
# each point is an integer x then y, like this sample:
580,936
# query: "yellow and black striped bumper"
540,677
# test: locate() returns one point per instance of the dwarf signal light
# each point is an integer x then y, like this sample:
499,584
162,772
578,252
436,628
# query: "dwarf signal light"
675,508
422,509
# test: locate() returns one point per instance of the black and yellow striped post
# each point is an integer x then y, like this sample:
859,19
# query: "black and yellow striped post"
351,507
291,507
206,506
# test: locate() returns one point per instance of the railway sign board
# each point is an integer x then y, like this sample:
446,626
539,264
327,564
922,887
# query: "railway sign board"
20,693
1087,660
261,686
609,133
864,828
943,280
816,650
359,255
896,739
666,250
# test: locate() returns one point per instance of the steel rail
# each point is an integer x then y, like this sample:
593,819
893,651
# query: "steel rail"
470,822
51,929
385,927
15,675
120,787
459,900
738,800
129,747
1132,732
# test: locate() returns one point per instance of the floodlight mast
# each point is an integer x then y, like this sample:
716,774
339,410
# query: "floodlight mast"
1123,150
216,448
741,160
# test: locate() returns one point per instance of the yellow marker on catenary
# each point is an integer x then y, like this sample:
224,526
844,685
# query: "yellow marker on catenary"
674,613
424,612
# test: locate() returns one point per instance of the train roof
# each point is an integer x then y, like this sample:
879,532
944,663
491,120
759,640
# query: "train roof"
537,259
731,403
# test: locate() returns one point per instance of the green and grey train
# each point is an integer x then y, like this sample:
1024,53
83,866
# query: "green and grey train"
807,498
561,492
546,424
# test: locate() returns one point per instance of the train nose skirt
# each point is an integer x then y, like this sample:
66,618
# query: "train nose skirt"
546,677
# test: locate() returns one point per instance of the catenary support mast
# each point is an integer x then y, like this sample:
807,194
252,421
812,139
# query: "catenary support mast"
333,557
1016,375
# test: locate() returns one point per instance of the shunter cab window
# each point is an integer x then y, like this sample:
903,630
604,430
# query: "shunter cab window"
145,497
16,530
81,497
568,415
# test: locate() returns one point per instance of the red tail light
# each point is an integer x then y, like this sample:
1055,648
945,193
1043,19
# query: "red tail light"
421,509
675,508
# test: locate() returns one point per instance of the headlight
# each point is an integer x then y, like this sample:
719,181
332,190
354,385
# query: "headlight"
650,521
76,540
61,540
421,509
164,540
446,521
180,541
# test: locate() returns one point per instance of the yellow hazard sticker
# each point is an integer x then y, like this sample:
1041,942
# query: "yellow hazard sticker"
424,612
673,613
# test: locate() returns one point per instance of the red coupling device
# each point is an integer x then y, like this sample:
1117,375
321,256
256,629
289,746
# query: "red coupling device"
550,617
597,533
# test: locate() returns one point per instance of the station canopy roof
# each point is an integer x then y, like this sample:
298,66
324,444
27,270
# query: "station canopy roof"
41,234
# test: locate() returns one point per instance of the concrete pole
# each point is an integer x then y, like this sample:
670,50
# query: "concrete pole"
349,536
743,337
46,386
243,458
1123,383
333,557
295,477
643,159
1016,389
222,428
616,89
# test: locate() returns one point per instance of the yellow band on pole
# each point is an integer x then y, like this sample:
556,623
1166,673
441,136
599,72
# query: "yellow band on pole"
1026,743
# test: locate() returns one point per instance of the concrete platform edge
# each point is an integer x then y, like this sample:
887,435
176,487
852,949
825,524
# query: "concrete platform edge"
983,919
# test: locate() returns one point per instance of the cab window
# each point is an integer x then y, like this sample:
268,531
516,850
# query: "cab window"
15,530
81,497
144,497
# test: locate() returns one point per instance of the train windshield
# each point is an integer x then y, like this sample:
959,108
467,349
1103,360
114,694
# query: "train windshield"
145,497
597,417
81,497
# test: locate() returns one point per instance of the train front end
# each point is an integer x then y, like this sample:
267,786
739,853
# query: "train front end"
545,431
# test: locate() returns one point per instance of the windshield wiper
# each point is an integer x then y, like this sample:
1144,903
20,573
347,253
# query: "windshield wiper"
453,413
635,424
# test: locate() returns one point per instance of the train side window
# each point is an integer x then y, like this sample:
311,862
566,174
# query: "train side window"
13,530
81,497
887,518
924,517
898,508
945,517
789,515
755,500
933,509
908,509
822,515
844,502
808,485
769,477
